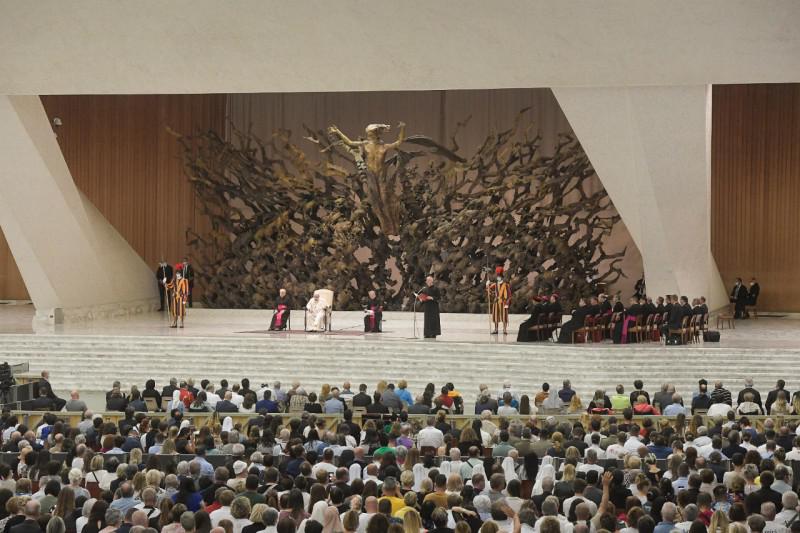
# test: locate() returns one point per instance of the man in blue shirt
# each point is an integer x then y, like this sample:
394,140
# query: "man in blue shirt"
659,447
667,523
682,483
334,404
267,405
567,392
676,407
206,468
403,394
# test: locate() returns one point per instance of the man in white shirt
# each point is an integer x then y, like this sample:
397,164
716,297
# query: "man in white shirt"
211,397
794,455
633,443
617,450
772,525
789,502
326,464
690,513
702,438
550,508
594,446
430,436
224,512
578,486
591,463
236,398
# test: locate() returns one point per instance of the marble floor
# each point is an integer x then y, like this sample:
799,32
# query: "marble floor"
777,332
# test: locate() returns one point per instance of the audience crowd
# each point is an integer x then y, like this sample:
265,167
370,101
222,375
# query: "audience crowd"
288,472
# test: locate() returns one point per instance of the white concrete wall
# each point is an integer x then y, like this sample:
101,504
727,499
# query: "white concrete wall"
74,263
650,147
206,46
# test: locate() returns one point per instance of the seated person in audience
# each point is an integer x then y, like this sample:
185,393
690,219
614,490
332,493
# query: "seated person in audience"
43,402
748,406
641,407
226,405
116,401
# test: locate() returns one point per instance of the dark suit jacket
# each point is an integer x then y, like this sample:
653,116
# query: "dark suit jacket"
772,396
676,317
419,409
224,406
755,290
361,399
42,403
756,396
28,526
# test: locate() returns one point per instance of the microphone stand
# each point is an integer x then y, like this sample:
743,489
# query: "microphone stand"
416,295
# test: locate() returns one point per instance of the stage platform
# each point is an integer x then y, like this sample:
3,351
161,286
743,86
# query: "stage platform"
232,344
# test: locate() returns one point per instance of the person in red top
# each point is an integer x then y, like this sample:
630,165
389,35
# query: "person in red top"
186,395
643,408
445,398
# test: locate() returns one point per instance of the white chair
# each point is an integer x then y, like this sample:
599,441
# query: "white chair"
326,297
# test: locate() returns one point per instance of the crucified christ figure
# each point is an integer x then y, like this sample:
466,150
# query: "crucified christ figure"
372,152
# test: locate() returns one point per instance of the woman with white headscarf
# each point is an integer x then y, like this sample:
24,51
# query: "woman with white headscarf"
317,515
176,402
332,523
545,470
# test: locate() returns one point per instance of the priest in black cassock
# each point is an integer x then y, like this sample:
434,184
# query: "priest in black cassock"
373,313
579,315
544,307
429,296
753,292
739,297
163,276
283,307
537,308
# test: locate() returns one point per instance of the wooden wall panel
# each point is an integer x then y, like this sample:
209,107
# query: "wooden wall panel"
122,157
755,183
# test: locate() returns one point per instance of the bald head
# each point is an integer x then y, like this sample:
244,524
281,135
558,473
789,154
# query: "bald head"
371,504
768,511
668,511
32,509
139,518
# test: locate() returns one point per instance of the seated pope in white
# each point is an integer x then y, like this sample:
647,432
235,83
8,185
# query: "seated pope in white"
316,313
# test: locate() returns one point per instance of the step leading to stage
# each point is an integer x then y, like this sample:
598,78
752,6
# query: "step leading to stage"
91,362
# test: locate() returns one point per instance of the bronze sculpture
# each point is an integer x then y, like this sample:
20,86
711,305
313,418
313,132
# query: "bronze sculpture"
366,218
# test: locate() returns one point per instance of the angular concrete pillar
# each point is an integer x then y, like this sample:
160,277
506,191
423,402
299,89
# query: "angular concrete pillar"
75,264
651,148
